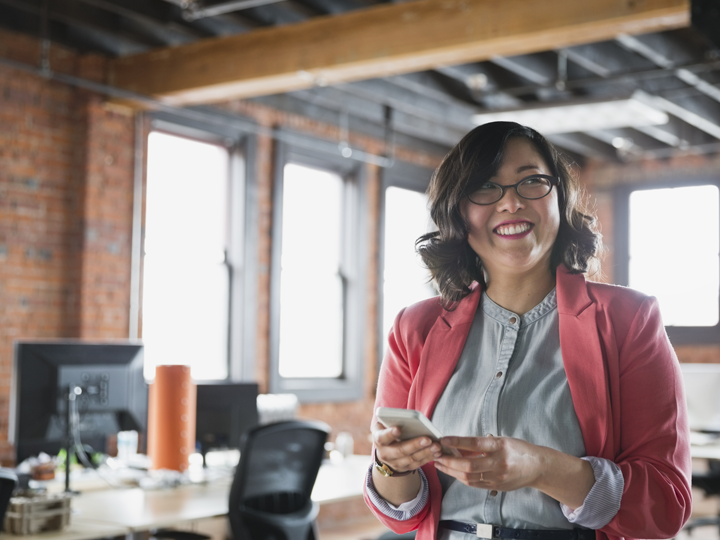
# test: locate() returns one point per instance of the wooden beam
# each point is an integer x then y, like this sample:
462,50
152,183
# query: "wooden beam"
384,40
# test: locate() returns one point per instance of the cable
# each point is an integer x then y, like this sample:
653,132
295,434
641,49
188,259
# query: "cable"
80,449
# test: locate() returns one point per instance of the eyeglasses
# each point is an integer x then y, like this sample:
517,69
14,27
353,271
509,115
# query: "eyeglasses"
533,187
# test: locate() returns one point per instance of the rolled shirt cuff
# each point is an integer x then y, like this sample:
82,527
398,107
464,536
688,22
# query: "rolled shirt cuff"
407,509
603,501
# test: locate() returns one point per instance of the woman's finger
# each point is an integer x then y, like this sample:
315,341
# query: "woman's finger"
410,454
383,436
482,479
472,445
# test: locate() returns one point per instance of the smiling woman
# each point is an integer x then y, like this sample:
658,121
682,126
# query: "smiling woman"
563,396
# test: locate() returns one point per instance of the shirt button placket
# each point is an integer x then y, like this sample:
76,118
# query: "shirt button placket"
510,335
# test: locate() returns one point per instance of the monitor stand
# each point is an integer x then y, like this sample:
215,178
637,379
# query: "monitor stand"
71,393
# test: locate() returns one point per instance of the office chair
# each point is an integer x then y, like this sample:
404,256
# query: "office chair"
8,483
709,482
270,494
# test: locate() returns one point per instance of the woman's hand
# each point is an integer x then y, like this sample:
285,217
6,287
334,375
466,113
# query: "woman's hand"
499,463
400,455
507,464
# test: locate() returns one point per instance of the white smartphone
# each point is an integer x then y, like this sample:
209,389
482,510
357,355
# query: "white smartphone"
412,424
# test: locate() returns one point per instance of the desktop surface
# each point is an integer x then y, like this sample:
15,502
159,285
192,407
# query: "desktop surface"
111,512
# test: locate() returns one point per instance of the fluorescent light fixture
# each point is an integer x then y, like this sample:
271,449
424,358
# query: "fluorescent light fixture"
637,110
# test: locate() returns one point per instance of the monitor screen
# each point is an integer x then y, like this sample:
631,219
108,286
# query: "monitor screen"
702,384
112,393
225,411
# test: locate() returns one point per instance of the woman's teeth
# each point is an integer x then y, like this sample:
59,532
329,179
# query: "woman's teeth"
517,228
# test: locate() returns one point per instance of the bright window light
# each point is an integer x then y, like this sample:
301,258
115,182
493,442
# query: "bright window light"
185,281
311,284
674,252
405,279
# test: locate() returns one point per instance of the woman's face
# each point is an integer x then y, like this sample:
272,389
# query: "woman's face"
514,235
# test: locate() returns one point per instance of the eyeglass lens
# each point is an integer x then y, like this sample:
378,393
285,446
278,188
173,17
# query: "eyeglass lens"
535,187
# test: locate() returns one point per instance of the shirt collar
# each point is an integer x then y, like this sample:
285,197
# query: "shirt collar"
504,316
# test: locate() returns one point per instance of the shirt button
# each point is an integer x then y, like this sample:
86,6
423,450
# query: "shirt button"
513,320
498,374
493,493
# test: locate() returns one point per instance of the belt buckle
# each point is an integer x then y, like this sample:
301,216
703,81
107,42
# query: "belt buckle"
483,530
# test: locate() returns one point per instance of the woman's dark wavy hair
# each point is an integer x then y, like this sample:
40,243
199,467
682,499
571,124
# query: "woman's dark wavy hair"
473,161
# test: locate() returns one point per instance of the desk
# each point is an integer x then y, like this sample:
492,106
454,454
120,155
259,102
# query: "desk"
706,451
340,481
126,511
139,510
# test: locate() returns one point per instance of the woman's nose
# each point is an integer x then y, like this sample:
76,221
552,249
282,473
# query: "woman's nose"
510,201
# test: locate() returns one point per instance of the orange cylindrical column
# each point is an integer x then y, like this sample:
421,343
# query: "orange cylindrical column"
171,417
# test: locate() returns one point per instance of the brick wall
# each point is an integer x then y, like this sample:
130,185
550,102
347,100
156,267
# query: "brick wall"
65,209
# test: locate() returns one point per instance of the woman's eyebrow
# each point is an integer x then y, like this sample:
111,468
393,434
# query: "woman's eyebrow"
527,167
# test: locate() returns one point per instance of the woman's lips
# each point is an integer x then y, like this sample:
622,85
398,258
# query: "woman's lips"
514,230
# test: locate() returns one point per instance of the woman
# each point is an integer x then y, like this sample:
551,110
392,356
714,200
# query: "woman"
563,396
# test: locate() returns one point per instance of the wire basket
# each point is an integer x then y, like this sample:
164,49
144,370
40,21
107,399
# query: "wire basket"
30,515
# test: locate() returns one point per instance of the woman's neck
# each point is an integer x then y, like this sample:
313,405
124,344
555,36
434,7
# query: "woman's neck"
519,293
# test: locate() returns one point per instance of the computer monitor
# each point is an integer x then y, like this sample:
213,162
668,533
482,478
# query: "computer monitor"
113,397
702,391
225,411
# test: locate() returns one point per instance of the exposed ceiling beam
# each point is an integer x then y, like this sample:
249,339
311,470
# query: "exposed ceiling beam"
584,145
170,32
699,121
456,114
422,128
381,41
533,68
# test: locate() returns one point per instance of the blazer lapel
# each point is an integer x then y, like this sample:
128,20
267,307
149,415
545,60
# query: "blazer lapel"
443,347
584,363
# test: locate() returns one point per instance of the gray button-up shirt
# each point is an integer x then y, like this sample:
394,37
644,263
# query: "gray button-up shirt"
509,381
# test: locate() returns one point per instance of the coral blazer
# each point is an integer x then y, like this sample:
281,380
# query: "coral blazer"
625,384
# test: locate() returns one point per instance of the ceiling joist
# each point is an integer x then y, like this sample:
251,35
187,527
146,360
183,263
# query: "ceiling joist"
381,41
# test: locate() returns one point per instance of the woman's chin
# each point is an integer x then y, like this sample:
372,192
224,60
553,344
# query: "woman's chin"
520,262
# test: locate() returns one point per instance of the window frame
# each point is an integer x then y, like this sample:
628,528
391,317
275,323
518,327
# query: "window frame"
407,176
242,230
349,386
679,335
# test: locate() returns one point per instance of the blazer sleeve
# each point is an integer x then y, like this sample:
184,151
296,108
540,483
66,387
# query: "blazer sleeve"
654,437
396,377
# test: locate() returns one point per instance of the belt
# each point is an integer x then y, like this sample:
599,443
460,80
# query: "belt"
482,530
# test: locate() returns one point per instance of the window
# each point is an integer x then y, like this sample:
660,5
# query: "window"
311,231
195,269
672,251
318,261
404,279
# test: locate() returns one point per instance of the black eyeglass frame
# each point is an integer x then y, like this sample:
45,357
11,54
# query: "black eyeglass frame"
554,181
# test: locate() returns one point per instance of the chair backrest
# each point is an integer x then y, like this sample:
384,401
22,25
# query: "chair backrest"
8,482
278,466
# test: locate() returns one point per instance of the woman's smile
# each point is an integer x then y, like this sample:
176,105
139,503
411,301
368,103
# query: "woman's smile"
512,230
